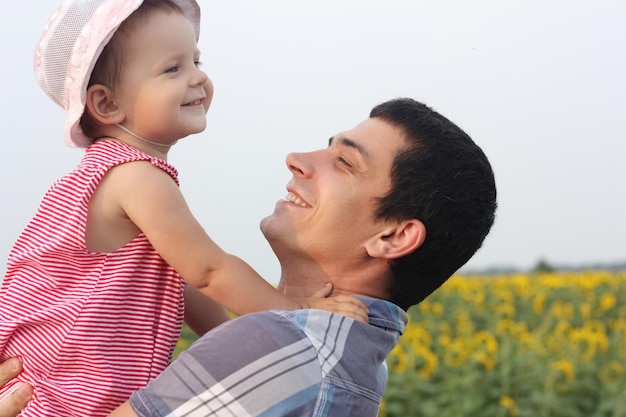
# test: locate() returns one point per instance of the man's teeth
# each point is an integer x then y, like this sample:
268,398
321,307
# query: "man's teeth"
296,200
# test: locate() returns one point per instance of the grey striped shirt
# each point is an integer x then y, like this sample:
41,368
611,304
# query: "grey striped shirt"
281,363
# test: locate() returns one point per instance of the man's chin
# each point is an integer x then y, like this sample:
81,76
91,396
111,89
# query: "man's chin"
266,226
274,228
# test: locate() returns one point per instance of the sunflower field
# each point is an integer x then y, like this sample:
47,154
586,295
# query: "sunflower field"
523,345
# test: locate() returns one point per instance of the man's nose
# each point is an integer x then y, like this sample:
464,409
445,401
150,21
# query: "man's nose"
299,164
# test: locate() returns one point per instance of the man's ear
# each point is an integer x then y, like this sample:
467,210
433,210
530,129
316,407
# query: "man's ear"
102,106
397,240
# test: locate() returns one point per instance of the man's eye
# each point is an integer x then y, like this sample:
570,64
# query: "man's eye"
344,162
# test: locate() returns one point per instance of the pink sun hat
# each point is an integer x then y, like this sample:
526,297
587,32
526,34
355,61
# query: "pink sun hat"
70,45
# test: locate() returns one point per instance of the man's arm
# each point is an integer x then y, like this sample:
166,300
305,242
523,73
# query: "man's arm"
11,405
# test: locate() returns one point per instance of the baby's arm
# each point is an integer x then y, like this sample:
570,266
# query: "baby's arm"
201,312
153,202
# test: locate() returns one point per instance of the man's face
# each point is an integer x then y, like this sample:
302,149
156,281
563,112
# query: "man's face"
328,213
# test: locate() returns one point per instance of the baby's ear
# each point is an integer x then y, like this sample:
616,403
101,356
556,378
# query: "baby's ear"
102,106
397,240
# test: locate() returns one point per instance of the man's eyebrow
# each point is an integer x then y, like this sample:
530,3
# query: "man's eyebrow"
342,140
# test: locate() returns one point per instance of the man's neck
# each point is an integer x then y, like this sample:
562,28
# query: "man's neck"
299,281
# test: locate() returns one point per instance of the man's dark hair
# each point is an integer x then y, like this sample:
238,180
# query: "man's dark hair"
443,179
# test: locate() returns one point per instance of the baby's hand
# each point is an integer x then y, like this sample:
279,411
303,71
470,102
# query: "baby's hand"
346,305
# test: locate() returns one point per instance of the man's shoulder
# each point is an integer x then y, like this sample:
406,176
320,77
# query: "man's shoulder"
287,326
273,329
381,314
267,330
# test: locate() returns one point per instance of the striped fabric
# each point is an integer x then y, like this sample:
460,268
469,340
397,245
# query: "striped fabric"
90,327
280,363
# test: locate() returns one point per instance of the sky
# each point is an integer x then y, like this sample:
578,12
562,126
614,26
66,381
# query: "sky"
539,85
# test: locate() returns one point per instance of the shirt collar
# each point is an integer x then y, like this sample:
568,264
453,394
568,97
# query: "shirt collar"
385,314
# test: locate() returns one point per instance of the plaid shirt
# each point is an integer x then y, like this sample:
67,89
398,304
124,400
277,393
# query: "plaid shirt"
281,363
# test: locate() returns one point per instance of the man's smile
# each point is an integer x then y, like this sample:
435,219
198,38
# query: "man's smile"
291,197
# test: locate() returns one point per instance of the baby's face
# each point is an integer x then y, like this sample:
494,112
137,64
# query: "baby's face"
163,93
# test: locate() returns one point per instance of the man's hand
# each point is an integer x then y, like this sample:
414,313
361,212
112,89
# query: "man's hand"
346,305
12,403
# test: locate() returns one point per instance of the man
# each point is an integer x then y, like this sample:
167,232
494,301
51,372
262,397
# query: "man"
388,212
13,403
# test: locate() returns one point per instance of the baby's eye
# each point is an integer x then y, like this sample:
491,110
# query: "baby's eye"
173,68
198,63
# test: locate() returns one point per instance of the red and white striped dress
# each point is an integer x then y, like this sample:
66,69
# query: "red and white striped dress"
90,327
